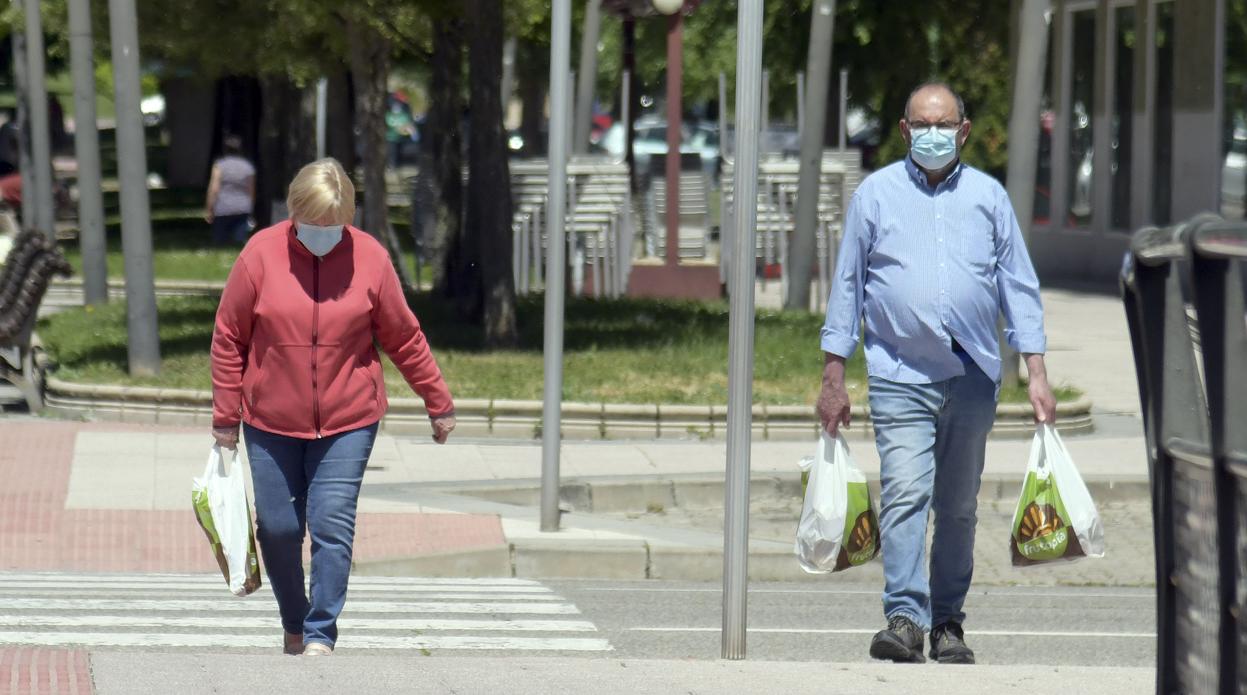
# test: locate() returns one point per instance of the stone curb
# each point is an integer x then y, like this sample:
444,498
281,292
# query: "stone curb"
555,557
522,419
702,492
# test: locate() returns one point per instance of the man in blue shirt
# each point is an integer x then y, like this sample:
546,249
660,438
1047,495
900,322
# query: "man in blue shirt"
931,255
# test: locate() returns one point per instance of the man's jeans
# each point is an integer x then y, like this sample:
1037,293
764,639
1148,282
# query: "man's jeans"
312,483
931,440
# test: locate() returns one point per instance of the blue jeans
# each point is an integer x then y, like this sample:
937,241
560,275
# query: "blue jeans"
312,484
932,440
227,229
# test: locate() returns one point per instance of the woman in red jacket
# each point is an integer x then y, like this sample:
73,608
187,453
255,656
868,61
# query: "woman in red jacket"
293,361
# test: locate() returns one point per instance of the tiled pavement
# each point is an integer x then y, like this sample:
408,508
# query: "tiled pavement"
39,532
43,671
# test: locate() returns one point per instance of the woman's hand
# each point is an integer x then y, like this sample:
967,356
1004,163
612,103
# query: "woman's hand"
442,427
227,437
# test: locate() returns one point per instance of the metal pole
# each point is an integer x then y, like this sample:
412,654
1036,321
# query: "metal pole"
1143,132
625,105
560,48
322,104
136,226
1024,116
740,333
1024,136
723,116
801,251
675,114
766,108
40,141
508,73
588,76
844,110
87,149
23,122
800,102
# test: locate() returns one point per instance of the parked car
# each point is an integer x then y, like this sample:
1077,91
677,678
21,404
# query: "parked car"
651,139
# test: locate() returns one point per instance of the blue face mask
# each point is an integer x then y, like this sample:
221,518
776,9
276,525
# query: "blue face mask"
933,148
318,240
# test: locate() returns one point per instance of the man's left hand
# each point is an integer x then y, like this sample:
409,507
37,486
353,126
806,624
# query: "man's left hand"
1040,393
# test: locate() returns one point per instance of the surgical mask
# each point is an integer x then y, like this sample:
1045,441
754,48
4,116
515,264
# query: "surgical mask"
933,148
318,240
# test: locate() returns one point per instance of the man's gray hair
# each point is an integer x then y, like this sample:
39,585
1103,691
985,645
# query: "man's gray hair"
961,105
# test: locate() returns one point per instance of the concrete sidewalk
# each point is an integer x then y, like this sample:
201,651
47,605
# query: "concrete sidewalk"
118,673
110,497
114,497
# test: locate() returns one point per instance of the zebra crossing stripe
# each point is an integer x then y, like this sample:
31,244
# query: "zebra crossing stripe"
349,642
214,578
57,609
219,585
267,623
221,592
243,605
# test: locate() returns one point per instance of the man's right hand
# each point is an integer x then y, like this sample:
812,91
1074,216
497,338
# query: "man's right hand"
226,437
833,399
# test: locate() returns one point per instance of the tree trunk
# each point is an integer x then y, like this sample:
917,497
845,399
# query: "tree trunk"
441,166
489,182
533,72
278,97
340,135
370,69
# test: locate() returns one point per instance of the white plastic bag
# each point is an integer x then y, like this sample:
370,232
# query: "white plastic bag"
838,526
1055,518
219,498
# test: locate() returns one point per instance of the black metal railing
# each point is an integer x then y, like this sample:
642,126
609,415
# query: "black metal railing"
1184,289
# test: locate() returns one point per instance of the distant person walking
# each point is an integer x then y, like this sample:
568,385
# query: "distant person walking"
932,253
10,143
294,361
231,194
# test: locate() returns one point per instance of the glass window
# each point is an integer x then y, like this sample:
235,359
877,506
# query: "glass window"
1082,102
1123,118
1043,164
1163,163
1234,166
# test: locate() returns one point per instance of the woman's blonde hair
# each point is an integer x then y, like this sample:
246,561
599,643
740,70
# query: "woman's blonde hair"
322,190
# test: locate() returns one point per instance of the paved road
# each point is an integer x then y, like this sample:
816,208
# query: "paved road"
196,612
832,621
120,634
827,622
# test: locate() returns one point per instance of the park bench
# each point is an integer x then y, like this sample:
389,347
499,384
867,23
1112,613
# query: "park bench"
28,269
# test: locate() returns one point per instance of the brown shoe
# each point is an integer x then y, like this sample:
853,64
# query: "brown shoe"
293,643
317,649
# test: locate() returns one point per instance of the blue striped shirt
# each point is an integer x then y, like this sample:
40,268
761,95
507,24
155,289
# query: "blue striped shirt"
929,266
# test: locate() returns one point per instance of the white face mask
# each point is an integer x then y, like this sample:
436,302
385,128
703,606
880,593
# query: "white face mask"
319,240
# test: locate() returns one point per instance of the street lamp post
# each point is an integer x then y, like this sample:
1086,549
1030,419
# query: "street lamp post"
556,265
40,139
136,224
87,149
740,331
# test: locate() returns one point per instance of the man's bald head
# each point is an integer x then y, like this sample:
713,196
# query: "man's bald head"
934,94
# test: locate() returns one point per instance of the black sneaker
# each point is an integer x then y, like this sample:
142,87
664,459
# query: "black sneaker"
901,642
948,645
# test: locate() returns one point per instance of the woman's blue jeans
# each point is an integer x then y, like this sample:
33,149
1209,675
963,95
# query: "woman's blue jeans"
310,484
932,439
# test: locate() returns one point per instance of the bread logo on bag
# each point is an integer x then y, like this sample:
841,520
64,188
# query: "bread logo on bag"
1039,521
862,539
1043,536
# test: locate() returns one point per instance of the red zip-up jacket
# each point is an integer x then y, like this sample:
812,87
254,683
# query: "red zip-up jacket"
293,352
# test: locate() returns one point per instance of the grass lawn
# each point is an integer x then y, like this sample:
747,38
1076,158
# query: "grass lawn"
620,351
182,247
